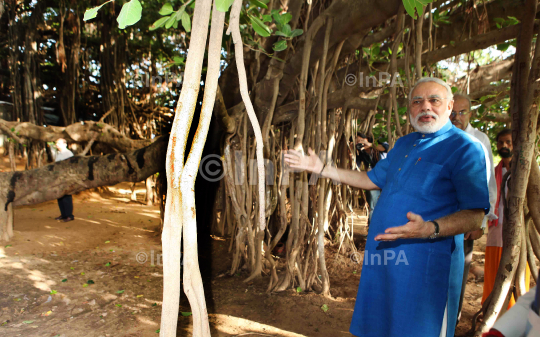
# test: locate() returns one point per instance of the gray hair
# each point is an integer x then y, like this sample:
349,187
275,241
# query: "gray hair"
449,94
464,97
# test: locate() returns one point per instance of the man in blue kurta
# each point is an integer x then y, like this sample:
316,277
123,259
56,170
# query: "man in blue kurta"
434,186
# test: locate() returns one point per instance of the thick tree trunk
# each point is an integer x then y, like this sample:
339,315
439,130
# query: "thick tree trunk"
524,110
77,174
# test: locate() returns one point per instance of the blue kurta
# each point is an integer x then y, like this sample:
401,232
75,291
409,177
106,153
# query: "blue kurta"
406,284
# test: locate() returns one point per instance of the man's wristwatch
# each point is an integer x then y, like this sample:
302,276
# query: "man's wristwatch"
437,232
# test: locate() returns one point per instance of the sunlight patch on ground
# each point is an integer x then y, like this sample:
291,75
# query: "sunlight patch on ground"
235,325
149,215
146,321
2,253
127,227
91,221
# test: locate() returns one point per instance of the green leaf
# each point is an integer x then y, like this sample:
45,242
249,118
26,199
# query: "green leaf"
154,305
172,19
512,20
452,43
130,14
53,292
107,241
166,9
378,116
297,32
419,8
7,246
324,308
298,290
285,18
186,22
28,322
82,273
267,18
260,27
376,50
157,331
503,46
499,20
223,5
120,291
92,12
454,90
119,305
186,313
64,280
90,282
409,7
258,4
107,264
85,285
178,59
280,45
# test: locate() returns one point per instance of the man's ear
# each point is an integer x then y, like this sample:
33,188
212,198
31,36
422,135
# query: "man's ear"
450,106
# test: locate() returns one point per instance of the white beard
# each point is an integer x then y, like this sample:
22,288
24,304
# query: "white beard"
430,127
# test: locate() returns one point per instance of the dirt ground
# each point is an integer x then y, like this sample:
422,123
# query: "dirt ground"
100,275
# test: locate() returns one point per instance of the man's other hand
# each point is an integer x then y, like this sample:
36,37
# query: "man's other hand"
299,161
474,235
416,228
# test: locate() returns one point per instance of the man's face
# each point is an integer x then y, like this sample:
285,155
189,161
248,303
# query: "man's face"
461,114
360,140
504,146
429,107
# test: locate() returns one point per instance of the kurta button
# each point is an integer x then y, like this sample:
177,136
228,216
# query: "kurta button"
399,169
423,136
406,155
414,145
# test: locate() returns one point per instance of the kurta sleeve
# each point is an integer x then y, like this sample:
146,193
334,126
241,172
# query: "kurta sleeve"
378,174
470,177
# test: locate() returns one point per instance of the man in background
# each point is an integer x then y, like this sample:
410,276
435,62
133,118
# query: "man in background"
494,242
460,117
66,202
370,155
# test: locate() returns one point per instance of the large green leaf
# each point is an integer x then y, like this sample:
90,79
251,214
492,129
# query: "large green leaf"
166,9
260,27
159,23
223,5
130,14
186,22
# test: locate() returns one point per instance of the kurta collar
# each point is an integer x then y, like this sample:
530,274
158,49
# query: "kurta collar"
469,129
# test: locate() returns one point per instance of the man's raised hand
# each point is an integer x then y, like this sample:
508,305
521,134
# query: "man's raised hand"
299,161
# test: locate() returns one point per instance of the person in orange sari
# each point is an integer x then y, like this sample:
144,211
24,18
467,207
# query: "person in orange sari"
495,233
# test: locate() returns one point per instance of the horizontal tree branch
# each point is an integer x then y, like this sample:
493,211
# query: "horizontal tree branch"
81,173
78,132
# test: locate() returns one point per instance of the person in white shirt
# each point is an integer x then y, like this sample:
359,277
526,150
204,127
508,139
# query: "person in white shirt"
460,117
66,202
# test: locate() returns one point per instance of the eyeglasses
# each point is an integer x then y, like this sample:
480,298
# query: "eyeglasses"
434,101
461,113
